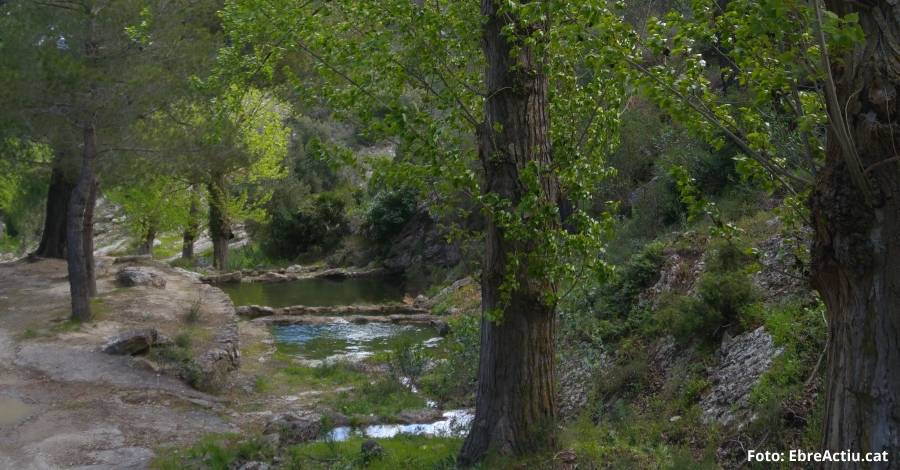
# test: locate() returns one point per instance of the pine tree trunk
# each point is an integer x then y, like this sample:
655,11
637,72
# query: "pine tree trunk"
78,232
856,252
88,237
219,225
190,232
53,237
515,403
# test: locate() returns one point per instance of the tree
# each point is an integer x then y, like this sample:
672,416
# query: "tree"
515,405
856,217
409,72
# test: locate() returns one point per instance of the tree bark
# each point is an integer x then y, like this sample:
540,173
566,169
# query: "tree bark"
79,273
857,242
219,225
53,237
146,247
88,236
515,403
190,232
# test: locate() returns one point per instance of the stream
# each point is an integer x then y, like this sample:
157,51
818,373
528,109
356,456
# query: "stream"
340,340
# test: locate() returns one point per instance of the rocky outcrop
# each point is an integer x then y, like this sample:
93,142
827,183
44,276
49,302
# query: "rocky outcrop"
293,428
422,245
292,273
256,311
743,359
575,377
134,276
225,278
782,273
445,293
133,342
224,355
678,274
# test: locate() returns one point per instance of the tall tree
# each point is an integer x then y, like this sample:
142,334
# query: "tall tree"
515,406
856,216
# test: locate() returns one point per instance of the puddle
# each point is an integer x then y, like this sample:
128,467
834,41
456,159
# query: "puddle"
12,410
347,341
317,292
455,424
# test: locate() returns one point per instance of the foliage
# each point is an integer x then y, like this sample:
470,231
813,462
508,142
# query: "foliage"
453,376
316,226
388,212
723,294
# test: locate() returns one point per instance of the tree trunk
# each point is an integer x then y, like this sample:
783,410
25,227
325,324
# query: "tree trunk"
219,225
79,272
89,237
146,247
515,405
190,232
856,251
53,237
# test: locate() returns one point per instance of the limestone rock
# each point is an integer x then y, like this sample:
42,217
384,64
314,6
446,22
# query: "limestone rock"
743,360
293,428
132,342
131,277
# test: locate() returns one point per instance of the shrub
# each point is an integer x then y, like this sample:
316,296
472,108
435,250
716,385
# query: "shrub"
452,379
388,213
319,224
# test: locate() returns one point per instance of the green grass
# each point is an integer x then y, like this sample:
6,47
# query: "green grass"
384,398
406,452
169,246
213,452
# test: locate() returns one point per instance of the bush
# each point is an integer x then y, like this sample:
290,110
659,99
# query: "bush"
320,224
453,378
388,213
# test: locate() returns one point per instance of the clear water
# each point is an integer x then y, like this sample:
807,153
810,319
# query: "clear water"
347,340
317,292
455,423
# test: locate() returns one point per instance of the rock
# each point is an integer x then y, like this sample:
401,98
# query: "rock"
442,327
371,450
422,246
420,301
743,359
131,277
575,374
226,278
132,342
294,428
447,291
255,311
253,465
782,274
132,259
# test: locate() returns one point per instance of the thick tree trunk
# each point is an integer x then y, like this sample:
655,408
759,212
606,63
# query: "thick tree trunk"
515,405
856,252
80,282
53,237
190,232
219,225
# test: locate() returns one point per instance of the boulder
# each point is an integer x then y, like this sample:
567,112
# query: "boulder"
253,465
743,359
132,277
226,278
132,342
293,428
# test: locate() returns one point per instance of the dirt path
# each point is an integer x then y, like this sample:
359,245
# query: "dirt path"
64,404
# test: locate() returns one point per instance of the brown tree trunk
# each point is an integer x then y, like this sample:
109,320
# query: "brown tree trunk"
190,232
53,237
219,225
80,282
515,404
146,247
89,237
856,252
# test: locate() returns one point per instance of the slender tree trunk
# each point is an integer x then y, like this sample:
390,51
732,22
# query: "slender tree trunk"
219,225
515,404
89,264
53,237
190,232
146,247
80,282
856,252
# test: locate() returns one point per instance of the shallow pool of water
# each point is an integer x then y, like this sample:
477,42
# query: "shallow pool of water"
347,340
12,410
455,423
317,292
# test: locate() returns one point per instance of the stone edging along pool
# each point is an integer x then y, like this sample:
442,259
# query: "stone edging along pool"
292,273
256,311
